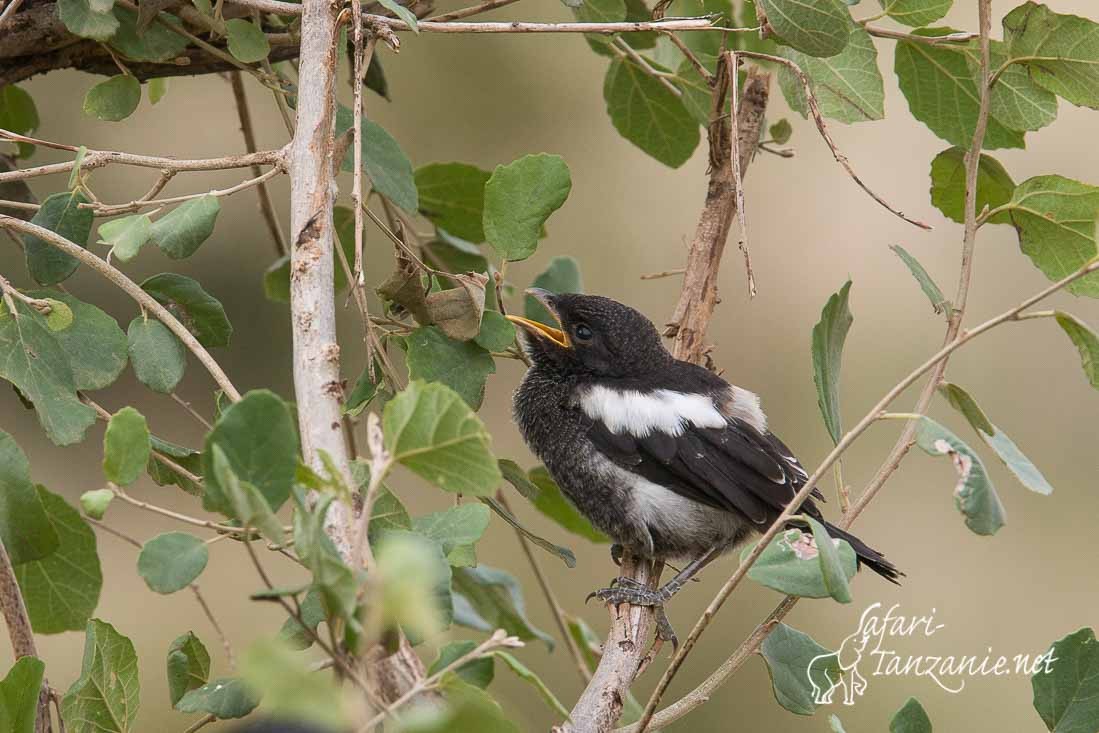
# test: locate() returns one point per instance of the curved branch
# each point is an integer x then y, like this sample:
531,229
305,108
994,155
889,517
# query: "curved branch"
132,289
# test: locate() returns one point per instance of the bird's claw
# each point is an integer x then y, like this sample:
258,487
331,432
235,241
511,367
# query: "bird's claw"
627,590
664,630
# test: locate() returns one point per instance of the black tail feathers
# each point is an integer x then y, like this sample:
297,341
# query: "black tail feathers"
867,555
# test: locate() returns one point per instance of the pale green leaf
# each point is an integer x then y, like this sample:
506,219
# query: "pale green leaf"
916,13
1060,51
126,236
816,27
246,40
126,447
478,672
829,335
791,564
157,88
88,18
401,12
95,344
157,355
95,502
1086,342
113,100
454,529
519,197
224,698
994,185
156,43
19,695
648,114
798,664
181,231
848,86
434,433
172,561
106,696
290,690
974,494
496,334
461,365
415,591
832,569
938,302
387,167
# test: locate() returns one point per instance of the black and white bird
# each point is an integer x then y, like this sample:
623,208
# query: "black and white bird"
665,457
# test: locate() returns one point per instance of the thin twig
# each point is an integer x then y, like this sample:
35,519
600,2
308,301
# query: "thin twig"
626,51
191,411
201,723
115,209
690,56
738,182
266,204
949,38
146,301
663,273
818,117
230,657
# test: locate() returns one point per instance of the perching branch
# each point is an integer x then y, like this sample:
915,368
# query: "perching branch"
19,631
146,301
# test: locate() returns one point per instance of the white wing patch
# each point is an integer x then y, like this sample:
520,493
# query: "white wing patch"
639,414
744,405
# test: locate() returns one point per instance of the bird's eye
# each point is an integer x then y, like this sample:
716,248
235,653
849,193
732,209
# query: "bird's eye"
583,332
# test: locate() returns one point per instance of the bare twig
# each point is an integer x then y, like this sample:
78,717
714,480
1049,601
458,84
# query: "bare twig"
663,273
949,38
146,301
201,723
818,117
733,62
115,209
191,411
266,204
690,56
626,51
470,11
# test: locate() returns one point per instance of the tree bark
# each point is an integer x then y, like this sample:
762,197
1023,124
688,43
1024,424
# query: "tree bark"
19,631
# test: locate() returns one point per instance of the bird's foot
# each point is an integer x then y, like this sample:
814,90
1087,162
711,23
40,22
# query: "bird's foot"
664,632
628,590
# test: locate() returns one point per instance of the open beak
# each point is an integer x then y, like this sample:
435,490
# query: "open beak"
555,335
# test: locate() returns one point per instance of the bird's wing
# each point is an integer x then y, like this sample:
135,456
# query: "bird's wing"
712,451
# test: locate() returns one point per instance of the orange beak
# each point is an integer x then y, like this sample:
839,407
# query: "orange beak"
555,335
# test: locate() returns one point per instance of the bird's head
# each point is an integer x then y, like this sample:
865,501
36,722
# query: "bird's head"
596,336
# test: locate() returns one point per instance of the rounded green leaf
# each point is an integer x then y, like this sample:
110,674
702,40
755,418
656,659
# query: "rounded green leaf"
154,43
798,664
994,185
817,27
432,431
158,356
201,312
94,343
487,598
461,365
519,197
126,447
113,100
126,236
247,41
60,316
224,698
648,114
88,18
848,86
171,562
180,232
62,590
916,13
60,213
452,196
188,666
25,528
456,530
497,333
791,564
17,111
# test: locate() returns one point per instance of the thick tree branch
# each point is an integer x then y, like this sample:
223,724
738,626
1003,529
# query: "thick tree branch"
19,631
600,705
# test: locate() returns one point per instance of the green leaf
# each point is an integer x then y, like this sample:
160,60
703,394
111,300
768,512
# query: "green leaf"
1061,51
848,86
911,718
1066,689
415,591
1005,448
224,698
916,13
525,674
126,236
387,167
95,502
157,355
245,501
170,562
648,114
388,514
515,475
362,393
1055,219
553,504
154,43
181,231
157,89
941,90
828,338
974,495
496,334
201,312
461,365
60,316
599,11
290,690
60,213
95,345
432,431
163,475
88,18
34,361
994,185
401,12
1086,342
477,672
25,529
19,695
781,131
452,196
791,564
832,568
247,41
697,96
313,613
126,447
113,100
938,302
797,664
259,438
562,275
817,27
188,666
18,114
486,598
456,529
333,579
1017,101
106,695
519,197
567,556
62,590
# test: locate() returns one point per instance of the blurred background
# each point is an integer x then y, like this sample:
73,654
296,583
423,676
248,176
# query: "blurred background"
487,99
